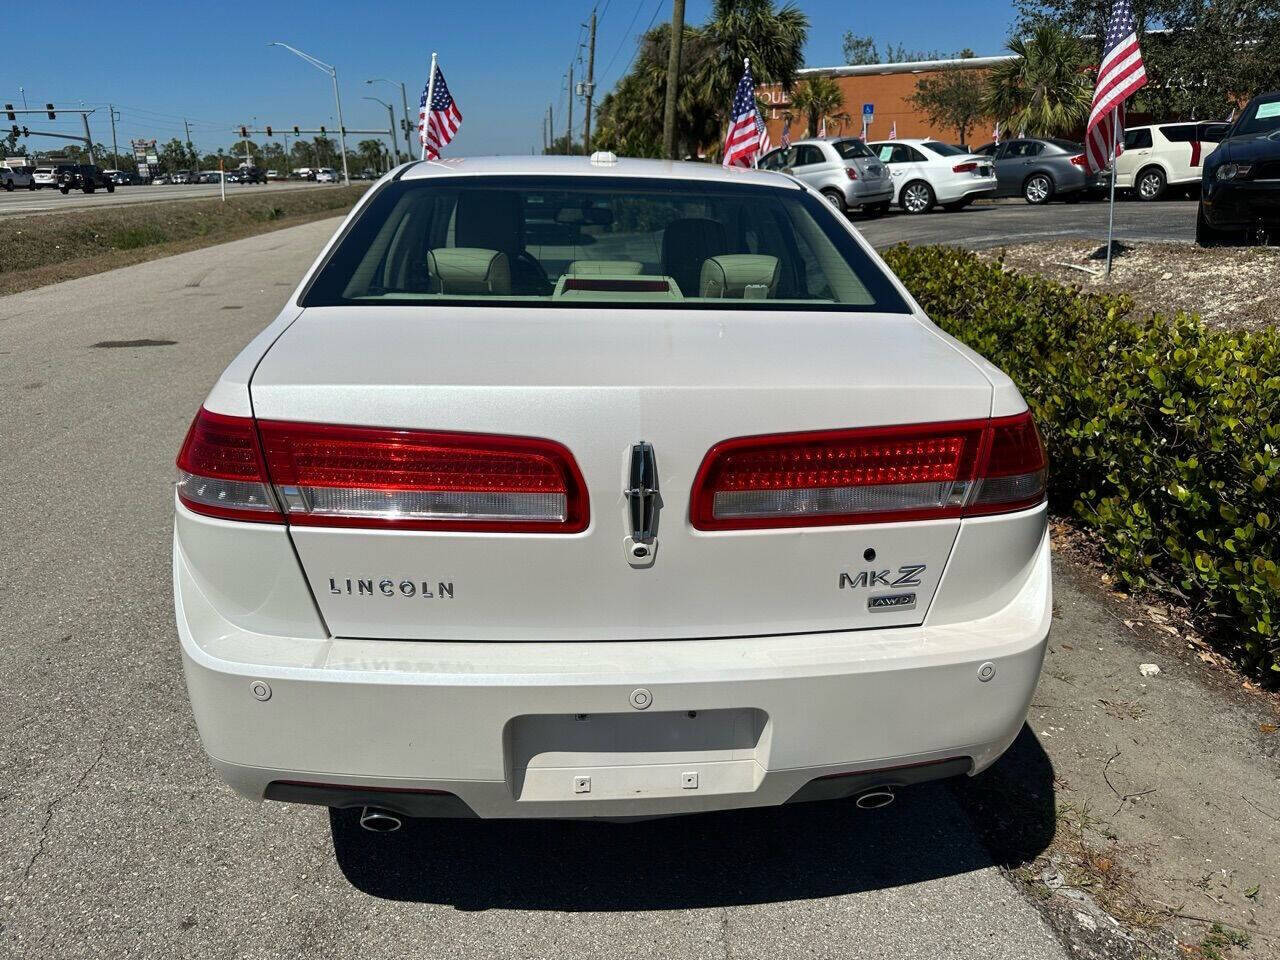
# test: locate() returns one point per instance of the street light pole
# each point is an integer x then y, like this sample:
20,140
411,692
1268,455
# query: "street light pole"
332,71
404,105
391,119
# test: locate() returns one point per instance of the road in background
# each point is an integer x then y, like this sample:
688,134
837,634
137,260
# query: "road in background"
120,841
26,202
985,225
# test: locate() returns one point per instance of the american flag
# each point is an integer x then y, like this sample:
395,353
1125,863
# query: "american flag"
893,131
437,125
746,138
786,130
1120,75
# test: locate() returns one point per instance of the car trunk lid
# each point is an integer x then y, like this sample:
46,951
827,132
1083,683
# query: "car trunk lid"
599,384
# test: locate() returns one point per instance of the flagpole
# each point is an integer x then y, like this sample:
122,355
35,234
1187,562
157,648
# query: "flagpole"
1111,218
431,89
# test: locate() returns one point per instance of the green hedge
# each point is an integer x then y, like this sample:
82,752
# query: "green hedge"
1163,435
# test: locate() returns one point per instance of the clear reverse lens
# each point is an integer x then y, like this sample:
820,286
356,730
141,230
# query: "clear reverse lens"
830,501
426,505
224,494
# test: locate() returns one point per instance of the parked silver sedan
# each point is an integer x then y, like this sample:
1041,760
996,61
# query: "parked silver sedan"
844,170
1041,170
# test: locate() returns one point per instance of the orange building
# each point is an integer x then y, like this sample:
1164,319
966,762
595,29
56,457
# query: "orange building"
887,86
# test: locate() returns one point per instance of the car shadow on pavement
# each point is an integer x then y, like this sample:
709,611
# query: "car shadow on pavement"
797,852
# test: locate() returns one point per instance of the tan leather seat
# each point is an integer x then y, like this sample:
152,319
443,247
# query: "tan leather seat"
468,270
739,276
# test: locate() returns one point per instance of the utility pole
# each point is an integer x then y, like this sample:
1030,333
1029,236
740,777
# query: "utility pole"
673,80
187,127
568,127
115,150
88,137
551,128
589,86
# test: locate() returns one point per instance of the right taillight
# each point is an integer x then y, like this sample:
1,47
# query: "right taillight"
870,475
1015,469
967,167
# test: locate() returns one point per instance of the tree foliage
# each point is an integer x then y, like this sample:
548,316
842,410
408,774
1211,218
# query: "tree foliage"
1203,60
1047,89
860,49
818,98
629,120
953,99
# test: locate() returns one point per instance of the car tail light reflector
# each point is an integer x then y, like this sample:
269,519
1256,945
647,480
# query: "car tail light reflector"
220,470
851,173
870,475
966,167
420,480
1078,160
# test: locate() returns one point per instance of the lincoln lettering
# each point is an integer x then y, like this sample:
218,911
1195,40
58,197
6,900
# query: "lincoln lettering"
387,587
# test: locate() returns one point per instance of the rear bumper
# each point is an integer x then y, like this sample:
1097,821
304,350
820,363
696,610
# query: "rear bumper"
509,729
975,189
859,193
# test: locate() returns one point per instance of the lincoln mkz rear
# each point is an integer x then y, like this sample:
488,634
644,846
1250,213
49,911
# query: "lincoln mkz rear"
570,488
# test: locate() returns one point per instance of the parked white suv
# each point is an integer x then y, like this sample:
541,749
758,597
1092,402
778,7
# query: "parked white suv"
929,172
605,488
15,178
1164,155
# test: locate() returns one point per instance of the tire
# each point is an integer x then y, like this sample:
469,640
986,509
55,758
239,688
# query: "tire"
956,206
31,185
111,188
1210,236
1037,189
836,199
1150,184
917,197
65,190
8,186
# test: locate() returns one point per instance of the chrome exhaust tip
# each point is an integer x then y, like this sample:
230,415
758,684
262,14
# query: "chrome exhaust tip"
875,798
379,821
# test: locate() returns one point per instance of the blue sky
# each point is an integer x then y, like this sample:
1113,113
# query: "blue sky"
504,60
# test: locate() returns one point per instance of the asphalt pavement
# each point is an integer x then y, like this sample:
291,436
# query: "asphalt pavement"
985,225
120,841
22,202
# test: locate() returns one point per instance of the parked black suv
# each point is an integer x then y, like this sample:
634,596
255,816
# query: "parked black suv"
252,175
84,176
1240,186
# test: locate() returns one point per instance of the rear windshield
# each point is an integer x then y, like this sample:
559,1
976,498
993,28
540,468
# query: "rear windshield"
850,149
568,241
943,149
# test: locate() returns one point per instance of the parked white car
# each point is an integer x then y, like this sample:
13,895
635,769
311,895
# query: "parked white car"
928,173
17,178
569,487
1166,155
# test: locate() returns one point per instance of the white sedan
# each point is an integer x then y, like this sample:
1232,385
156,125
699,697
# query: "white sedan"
569,487
928,173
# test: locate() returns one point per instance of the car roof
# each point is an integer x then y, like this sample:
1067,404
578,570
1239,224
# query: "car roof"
584,166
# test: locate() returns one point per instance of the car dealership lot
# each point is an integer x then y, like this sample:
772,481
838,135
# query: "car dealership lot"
26,202
121,841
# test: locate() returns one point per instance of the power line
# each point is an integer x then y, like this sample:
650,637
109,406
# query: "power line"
605,72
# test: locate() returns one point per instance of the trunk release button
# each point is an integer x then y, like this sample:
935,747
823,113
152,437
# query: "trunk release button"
641,698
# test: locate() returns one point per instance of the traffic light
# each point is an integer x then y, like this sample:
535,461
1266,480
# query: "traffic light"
322,129
296,131
9,111
52,114
13,131
268,129
244,133
26,132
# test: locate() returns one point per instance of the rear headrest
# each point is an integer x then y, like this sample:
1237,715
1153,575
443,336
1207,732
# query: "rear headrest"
686,244
468,270
741,276
614,268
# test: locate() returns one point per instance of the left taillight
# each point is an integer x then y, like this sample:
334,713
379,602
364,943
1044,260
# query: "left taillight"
344,476
1078,160
967,167
221,472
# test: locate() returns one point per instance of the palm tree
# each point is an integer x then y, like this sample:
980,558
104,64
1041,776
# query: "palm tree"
773,40
1047,89
370,152
818,98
